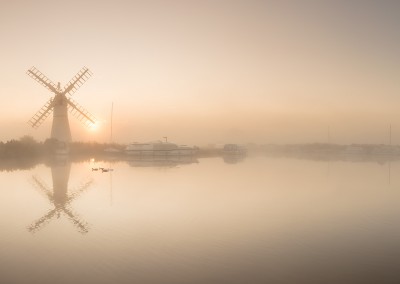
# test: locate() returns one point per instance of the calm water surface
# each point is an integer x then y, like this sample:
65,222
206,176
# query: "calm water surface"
260,220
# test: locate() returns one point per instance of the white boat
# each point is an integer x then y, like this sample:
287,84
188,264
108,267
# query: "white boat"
159,148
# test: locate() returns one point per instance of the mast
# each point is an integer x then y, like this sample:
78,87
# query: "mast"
111,121
329,134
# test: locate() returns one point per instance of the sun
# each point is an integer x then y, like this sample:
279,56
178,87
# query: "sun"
95,127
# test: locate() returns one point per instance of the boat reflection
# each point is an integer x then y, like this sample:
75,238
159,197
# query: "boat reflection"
161,161
233,159
60,197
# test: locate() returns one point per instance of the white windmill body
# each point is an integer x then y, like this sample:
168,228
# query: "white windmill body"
60,104
60,129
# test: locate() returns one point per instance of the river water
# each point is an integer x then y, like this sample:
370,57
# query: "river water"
208,220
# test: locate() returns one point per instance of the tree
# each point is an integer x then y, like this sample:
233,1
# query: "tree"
27,140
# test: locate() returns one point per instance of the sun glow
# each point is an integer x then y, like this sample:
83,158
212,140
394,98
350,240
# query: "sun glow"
95,127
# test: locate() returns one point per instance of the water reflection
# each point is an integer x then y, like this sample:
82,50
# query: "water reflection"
161,161
265,220
233,159
60,197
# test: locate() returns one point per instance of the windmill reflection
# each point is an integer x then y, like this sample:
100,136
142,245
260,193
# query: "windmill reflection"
60,198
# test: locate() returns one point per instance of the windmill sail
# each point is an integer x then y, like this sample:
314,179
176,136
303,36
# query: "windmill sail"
82,226
75,83
81,114
40,223
42,114
42,187
42,79
81,189
60,104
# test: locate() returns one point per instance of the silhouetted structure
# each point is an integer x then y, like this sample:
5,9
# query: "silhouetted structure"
60,103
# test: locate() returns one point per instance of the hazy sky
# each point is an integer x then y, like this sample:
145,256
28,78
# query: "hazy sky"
208,71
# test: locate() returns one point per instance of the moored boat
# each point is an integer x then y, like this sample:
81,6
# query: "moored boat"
159,148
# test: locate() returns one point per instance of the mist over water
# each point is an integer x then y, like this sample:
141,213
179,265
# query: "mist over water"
209,220
308,89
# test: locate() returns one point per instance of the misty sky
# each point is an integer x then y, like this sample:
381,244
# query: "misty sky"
208,71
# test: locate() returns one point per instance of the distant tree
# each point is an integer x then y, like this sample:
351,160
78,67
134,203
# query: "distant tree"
2,149
27,140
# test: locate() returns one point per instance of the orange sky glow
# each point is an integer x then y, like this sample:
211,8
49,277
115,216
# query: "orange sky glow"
208,71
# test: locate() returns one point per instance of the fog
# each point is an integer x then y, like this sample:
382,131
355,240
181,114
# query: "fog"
208,71
278,157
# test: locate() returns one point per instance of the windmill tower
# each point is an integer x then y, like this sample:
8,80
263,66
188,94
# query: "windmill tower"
60,103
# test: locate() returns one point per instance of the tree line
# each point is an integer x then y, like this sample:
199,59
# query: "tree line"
28,147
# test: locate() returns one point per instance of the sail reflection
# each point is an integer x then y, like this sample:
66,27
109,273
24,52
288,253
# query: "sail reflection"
60,198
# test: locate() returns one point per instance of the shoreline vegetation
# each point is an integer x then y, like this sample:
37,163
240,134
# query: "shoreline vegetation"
28,147
26,152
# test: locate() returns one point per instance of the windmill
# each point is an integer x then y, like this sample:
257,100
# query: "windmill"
60,103
59,197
